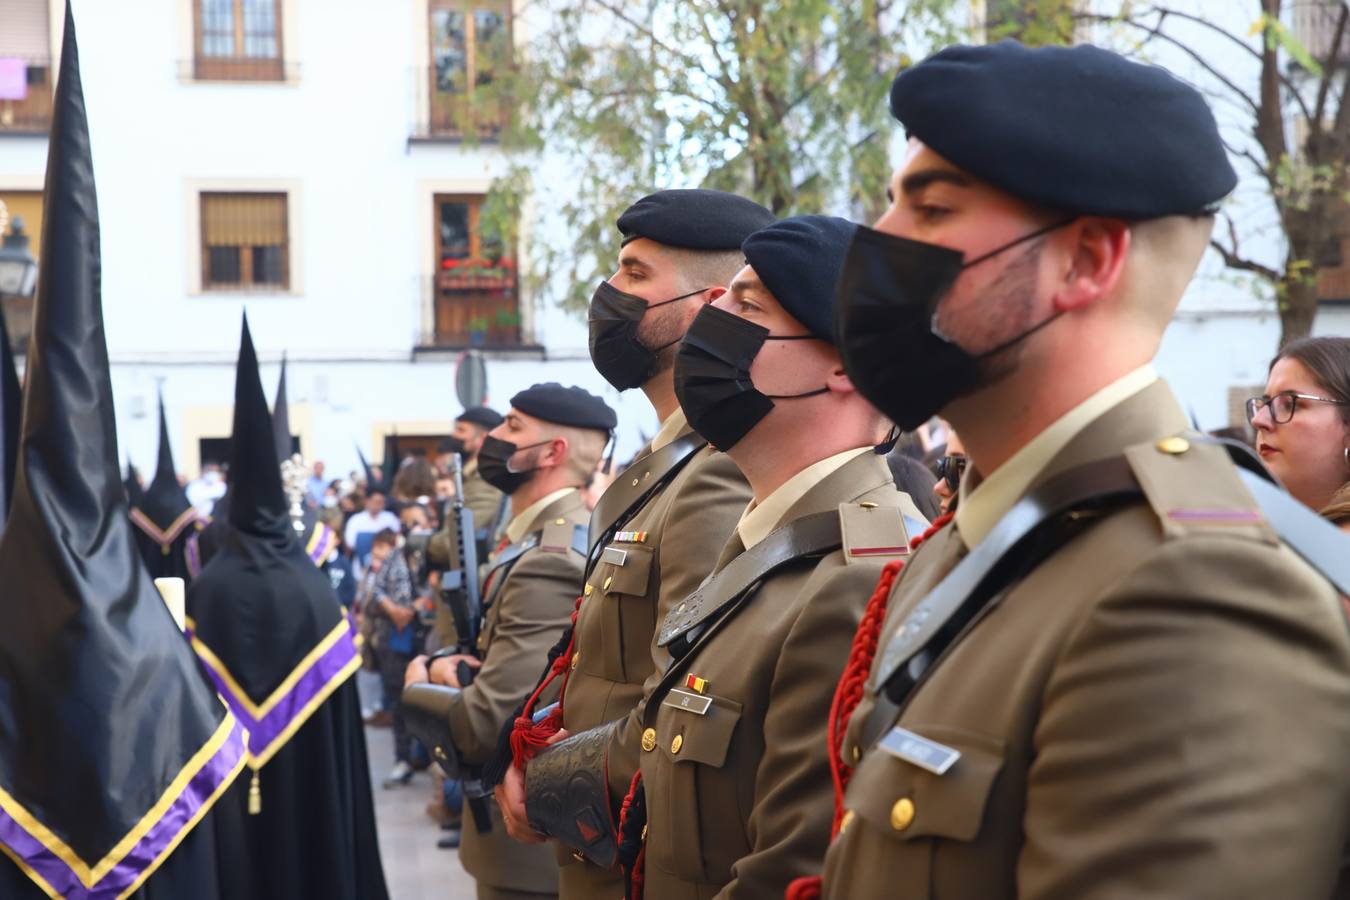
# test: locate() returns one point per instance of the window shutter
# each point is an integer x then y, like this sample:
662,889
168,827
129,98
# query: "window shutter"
24,30
243,220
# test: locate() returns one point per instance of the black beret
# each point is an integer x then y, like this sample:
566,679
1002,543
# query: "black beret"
482,416
1077,129
694,219
799,259
570,406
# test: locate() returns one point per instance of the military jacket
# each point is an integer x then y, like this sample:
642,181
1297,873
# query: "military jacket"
739,796
527,608
1157,710
659,556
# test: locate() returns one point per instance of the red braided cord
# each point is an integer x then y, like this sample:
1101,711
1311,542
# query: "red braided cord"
848,693
635,877
806,887
528,737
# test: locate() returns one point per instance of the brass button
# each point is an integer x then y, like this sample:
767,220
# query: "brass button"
649,740
576,657
578,856
1174,446
589,587
902,813
646,475
676,744
857,754
635,482
868,504
559,521
846,821
609,579
682,607
644,834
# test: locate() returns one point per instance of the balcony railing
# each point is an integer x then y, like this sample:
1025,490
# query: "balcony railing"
474,307
25,95
449,114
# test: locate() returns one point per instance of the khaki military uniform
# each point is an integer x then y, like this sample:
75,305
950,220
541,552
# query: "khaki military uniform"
662,553
484,501
526,611
1159,709
739,797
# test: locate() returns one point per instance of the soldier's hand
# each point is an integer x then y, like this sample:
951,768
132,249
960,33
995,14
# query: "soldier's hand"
510,796
446,669
416,673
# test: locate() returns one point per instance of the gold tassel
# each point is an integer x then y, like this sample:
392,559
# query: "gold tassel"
254,796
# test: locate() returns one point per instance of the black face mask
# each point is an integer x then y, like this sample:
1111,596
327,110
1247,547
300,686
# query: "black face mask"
619,355
886,306
494,464
712,376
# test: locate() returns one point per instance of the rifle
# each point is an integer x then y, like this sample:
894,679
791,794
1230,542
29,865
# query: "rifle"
459,585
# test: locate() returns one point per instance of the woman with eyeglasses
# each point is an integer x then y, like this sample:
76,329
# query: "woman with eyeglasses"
1303,424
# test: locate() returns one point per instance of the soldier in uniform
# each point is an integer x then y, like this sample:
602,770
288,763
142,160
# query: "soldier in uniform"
658,528
544,450
1110,676
482,499
731,733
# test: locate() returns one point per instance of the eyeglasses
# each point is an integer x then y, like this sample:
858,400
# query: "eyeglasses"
1283,405
949,469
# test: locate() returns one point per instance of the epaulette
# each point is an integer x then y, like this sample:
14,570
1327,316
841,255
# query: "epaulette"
1193,488
559,536
870,531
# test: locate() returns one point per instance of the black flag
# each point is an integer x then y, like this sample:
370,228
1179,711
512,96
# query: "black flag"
113,743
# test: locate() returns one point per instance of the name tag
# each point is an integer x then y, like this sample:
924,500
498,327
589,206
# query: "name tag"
687,701
616,557
913,748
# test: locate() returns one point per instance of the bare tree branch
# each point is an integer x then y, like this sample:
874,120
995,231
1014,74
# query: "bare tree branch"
1328,73
1233,260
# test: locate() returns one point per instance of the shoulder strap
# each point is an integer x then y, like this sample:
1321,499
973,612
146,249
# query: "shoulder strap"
631,490
808,536
1016,545
1043,521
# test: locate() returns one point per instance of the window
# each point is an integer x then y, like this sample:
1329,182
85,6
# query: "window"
238,40
245,242
475,285
470,41
25,66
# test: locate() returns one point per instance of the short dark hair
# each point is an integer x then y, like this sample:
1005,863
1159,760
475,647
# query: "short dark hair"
385,536
373,491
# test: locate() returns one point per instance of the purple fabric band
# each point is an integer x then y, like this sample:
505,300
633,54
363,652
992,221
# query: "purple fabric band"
146,854
325,541
262,732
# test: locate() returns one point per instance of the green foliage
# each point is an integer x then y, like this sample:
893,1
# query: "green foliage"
1033,22
781,100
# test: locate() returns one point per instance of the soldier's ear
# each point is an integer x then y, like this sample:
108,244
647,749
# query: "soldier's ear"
1091,262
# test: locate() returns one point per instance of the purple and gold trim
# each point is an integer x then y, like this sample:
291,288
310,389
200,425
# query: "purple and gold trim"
54,866
271,723
322,544
164,537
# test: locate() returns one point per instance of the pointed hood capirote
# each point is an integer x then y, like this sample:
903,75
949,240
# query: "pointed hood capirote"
257,501
10,400
164,502
133,485
113,744
260,608
281,418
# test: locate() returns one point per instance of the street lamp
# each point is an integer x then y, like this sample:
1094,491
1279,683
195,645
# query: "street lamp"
18,268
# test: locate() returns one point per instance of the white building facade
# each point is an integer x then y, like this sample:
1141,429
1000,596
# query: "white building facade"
305,161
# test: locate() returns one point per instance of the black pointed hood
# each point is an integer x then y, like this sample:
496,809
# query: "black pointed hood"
259,605
10,400
165,503
107,724
389,468
372,478
281,418
257,501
